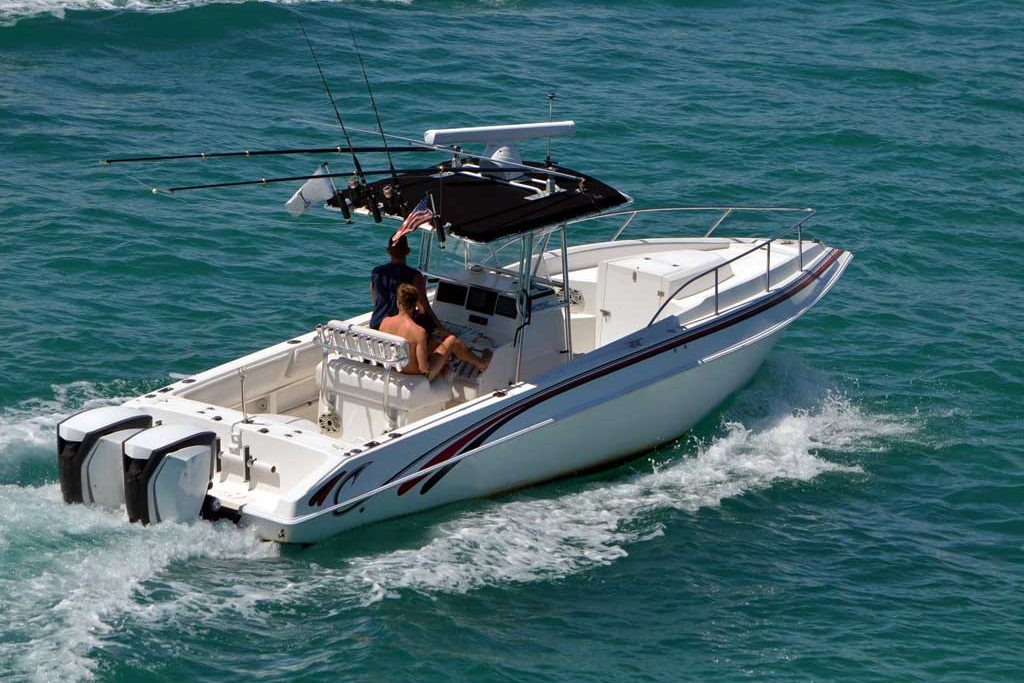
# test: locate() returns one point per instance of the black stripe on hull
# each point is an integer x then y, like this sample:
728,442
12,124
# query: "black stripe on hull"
476,435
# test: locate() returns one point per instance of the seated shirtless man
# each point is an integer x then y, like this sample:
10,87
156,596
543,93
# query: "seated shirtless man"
427,356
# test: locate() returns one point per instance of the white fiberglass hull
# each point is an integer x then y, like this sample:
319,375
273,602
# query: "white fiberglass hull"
655,385
573,441
184,454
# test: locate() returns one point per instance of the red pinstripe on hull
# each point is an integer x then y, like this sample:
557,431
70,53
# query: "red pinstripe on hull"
476,435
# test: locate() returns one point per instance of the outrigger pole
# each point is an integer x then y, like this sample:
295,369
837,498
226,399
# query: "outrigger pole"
268,152
334,105
265,181
405,173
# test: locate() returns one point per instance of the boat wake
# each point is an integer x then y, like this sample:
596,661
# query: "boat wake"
72,575
71,572
68,572
535,540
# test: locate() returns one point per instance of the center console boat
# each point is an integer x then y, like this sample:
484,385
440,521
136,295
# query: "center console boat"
601,351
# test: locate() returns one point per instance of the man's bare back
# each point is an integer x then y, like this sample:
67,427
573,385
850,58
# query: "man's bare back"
405,327
426,355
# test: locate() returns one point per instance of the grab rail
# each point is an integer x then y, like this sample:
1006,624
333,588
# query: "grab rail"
726,212
363,344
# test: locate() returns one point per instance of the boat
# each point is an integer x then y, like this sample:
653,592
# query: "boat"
601,351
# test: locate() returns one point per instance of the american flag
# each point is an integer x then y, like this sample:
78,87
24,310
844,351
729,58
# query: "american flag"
417,217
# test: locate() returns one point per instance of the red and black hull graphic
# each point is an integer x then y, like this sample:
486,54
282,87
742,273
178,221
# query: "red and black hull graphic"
476,435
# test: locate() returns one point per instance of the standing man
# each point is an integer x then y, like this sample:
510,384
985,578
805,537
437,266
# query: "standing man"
385,281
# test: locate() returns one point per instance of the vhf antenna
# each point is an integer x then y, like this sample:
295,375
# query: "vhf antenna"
551,109
549,186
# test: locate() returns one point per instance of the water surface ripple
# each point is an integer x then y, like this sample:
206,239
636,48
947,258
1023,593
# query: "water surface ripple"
855,513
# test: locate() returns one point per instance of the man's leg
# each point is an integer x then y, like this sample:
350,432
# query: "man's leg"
452,345
438,360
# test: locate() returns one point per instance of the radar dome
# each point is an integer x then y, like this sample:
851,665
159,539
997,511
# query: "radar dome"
497,155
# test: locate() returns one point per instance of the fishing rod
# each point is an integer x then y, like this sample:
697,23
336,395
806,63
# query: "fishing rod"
406,173
266,152
334,105
265,181
373,104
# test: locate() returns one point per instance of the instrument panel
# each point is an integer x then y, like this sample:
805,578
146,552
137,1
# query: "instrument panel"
476,299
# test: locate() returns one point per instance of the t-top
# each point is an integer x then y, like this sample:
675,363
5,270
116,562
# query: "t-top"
386,280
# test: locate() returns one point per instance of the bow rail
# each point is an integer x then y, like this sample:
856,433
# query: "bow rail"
726,212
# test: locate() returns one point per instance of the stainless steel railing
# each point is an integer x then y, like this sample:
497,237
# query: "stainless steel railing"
726,212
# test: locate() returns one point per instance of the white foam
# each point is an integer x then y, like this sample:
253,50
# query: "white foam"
77,567
13,10
74,572
69,571
547,538
30,426
532,540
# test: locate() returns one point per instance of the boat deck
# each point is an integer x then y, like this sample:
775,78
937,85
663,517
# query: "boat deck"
619,287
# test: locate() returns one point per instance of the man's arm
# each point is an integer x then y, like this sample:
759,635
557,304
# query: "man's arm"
421,285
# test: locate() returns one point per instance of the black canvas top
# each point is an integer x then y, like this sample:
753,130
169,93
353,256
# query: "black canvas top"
485,208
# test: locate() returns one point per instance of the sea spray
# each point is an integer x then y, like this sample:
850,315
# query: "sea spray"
77,569
910,570
28,430
533,540
32,424
81,570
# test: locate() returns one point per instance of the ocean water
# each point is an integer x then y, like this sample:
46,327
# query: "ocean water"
856,513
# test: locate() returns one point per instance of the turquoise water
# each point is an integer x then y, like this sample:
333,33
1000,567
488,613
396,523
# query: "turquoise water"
855,513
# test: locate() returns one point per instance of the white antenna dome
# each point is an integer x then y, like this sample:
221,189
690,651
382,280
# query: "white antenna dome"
498,153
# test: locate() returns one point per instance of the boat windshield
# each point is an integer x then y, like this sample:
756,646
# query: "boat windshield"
497,262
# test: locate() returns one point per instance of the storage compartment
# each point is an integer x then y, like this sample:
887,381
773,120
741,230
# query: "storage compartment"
630,290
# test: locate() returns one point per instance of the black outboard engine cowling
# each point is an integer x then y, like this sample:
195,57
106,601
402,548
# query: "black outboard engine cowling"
167,473
89,453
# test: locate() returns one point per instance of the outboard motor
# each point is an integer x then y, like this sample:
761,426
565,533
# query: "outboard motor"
167,472
89,447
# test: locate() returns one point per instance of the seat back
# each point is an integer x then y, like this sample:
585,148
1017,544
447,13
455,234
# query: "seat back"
361,383
360,343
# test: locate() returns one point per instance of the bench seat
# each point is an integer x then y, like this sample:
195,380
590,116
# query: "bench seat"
360,381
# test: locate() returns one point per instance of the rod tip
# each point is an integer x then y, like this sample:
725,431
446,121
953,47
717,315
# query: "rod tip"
105,162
